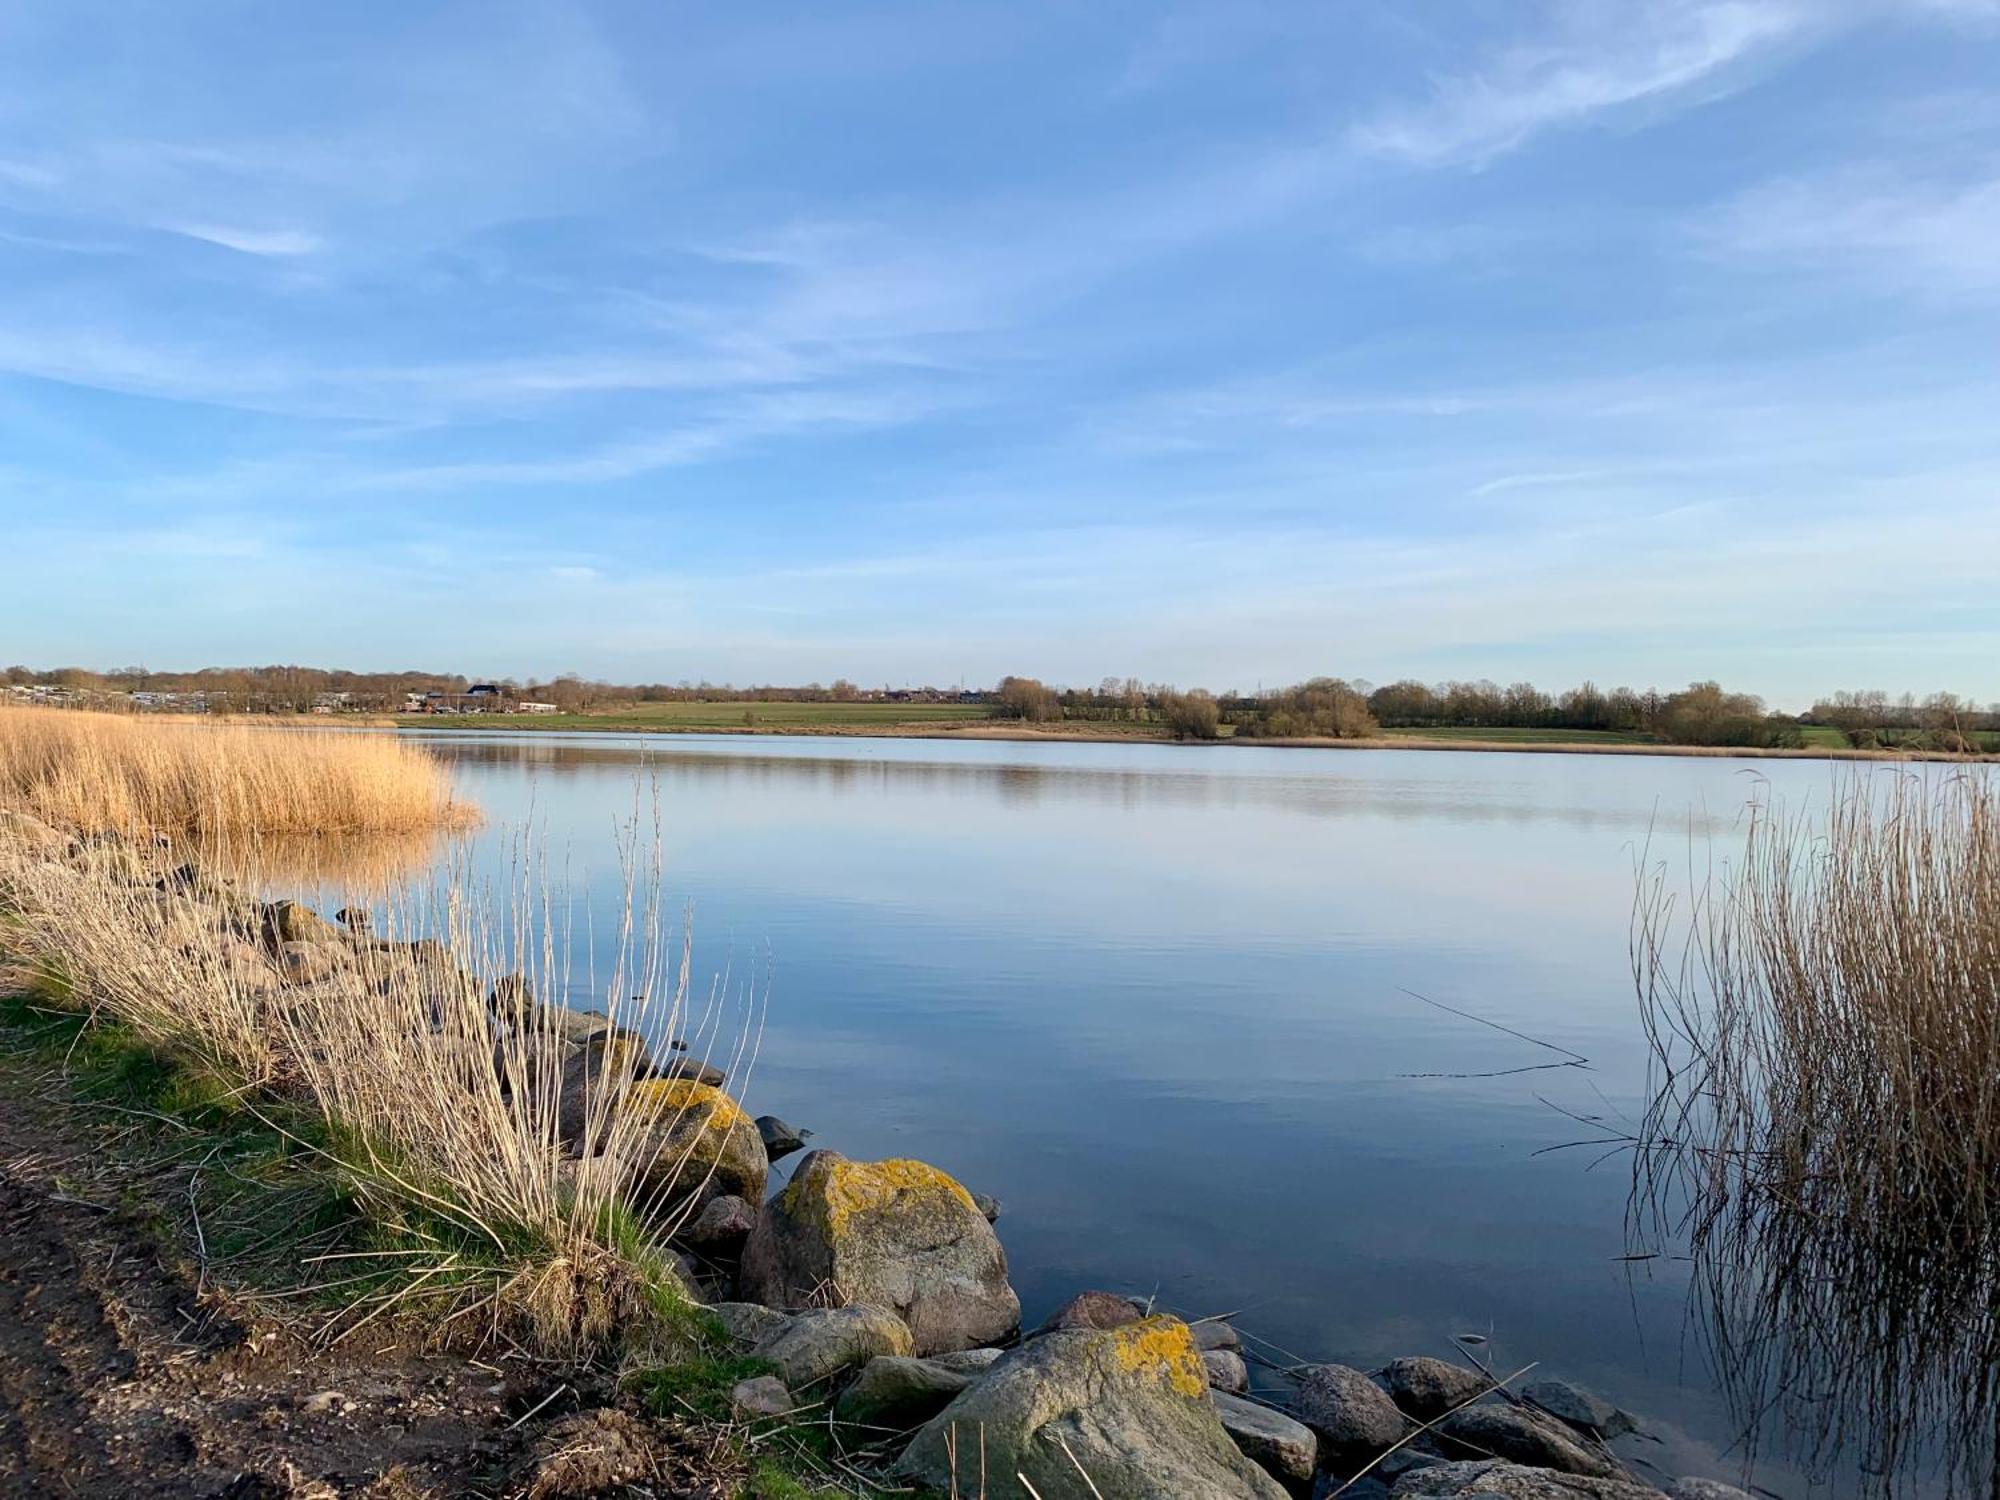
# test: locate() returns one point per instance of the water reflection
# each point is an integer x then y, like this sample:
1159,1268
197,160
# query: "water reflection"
353,865
1219,781
1156,1000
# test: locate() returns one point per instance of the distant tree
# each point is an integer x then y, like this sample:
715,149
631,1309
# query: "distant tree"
1326,707
1026,698
1191,716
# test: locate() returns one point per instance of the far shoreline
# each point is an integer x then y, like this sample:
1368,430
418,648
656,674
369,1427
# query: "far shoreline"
978,730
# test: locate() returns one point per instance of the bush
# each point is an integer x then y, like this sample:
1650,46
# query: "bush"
1325,707
1026,698
1191,716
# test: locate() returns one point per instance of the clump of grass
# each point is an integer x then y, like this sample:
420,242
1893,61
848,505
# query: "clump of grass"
1825,1021
94,771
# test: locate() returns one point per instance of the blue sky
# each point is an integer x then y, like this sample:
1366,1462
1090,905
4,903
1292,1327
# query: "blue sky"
1206,342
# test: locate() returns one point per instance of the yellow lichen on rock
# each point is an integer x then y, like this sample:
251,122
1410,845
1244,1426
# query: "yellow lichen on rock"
674,1096
848,1188
1164,1345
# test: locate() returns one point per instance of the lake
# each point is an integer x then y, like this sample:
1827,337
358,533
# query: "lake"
1163,1002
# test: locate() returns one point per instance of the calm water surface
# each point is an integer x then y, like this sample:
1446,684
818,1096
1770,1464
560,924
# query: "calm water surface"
1161,1001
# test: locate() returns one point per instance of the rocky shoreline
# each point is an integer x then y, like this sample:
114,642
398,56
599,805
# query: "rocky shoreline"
877,1294
873,1298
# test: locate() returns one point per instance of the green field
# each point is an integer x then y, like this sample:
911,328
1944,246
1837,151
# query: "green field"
1524,736
695,717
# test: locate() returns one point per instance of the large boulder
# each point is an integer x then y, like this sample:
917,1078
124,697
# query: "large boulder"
1495,1477
895,1234
894,1394
817,1345
1090,1414
1285,1449
744,1323
975,1360
1522,1436
721,1227
290,922
1427,1388
1351,1413
699,1146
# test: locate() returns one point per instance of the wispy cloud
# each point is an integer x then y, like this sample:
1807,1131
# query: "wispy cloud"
251,241
1928,235
1602,58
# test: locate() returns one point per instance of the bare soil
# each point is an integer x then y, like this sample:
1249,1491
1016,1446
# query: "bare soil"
123,1376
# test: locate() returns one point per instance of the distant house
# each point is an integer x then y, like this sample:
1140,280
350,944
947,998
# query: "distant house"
484,691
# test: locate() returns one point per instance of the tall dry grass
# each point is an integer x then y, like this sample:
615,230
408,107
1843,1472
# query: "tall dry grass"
96,771
449,1107
1825,1136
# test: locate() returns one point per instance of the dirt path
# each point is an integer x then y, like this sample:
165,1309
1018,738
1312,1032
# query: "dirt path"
121,1379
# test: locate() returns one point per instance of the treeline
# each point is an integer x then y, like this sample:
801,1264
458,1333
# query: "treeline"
1703,713
1871,719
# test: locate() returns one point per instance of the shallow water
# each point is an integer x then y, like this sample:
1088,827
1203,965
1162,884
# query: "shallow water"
1162,1001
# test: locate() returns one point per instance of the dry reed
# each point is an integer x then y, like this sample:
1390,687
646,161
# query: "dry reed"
96,771
1824,1020
454,1114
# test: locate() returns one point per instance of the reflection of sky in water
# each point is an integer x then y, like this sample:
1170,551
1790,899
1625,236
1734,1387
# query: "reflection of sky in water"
1154,999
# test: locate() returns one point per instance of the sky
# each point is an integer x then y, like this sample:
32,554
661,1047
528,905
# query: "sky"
1633,340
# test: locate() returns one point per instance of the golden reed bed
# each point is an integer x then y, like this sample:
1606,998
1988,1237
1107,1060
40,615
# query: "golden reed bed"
96,771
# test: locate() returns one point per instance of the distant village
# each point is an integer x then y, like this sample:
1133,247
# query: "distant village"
474,698
480,698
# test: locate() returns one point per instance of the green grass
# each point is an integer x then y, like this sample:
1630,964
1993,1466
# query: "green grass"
1526,736
695,717
261,1190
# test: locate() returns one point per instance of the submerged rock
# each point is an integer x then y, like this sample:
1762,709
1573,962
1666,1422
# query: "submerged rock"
1578,1407
1350,1412
1507,1481
896,1234
1524,1436
814,1346
1121,1414
894,1393
1285,1449
1688,1487
1427,1388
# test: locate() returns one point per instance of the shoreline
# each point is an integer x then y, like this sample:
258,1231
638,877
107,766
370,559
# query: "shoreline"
927,1333
977,730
